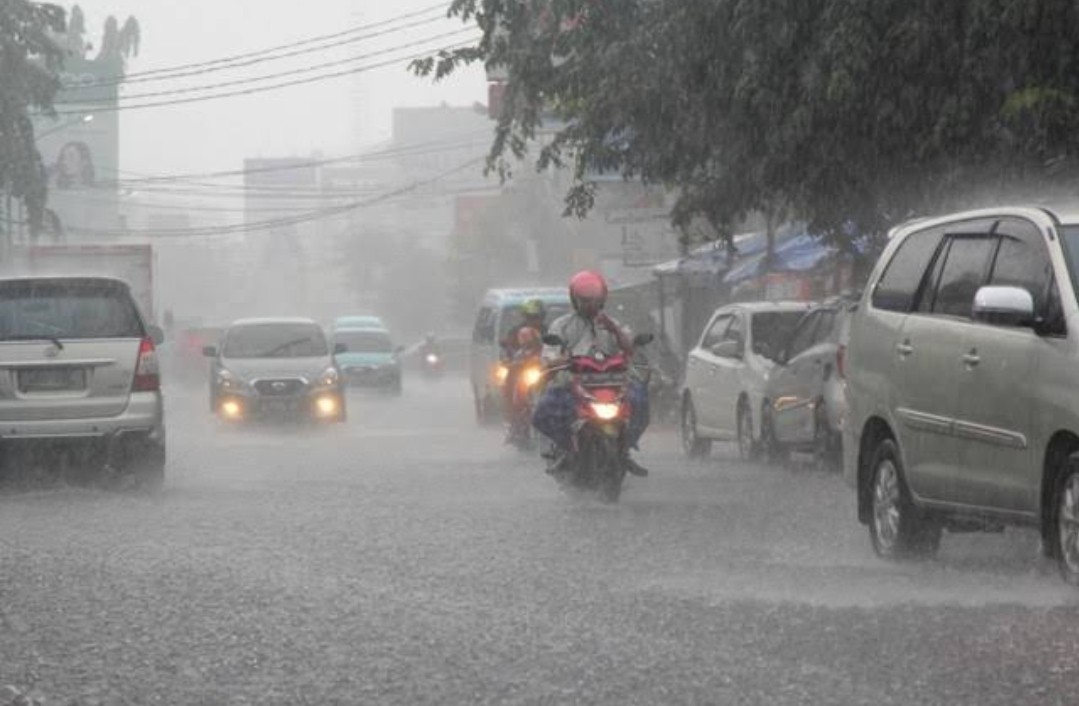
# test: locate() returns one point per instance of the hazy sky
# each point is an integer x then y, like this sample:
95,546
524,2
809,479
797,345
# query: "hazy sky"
336,116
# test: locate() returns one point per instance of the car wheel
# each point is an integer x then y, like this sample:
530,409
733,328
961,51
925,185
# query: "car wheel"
692,443
1066,515
898,530
747,447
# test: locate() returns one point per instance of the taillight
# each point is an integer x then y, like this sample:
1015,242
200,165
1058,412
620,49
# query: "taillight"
147,371
841,361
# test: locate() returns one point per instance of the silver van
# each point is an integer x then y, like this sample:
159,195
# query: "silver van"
79,380
962,383
498,314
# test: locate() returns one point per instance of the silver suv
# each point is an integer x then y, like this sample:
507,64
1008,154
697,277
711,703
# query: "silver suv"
79,380
963,386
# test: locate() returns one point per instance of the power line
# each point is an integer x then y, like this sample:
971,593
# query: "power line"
262,52
267,77
315,215
263,89
252,62
416,150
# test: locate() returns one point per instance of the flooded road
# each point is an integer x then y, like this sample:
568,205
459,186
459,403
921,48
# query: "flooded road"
408,557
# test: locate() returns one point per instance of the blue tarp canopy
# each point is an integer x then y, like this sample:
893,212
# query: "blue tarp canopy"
711,259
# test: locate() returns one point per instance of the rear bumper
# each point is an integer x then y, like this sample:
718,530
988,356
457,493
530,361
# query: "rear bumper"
143,416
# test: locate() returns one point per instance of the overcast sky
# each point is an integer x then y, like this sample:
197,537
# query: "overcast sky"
336,116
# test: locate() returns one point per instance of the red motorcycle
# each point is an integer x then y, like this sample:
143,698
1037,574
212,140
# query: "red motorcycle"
599,384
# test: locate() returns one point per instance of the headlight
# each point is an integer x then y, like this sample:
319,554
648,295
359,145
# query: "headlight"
326,406
328,378
228,381
532,376
432,359
501,373
606,410
231,409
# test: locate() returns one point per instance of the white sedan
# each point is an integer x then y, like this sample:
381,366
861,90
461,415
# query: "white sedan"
727,374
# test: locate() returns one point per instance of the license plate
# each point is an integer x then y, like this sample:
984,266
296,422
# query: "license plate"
52,380
276,407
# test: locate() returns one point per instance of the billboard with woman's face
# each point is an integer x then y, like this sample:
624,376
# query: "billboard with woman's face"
74,166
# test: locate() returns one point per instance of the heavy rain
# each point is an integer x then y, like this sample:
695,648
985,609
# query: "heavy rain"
539,352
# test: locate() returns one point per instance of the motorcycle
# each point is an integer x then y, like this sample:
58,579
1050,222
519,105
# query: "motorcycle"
431,363
599,384
527,378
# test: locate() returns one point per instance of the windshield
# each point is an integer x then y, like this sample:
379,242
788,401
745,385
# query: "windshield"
275,341
365,341
511,316
1069,237
772,330
30,310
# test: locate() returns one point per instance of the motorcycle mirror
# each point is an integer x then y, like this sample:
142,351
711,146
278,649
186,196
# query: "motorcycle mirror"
552,339
643,339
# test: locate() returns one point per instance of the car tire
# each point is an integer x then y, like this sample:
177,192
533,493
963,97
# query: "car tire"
897,528
693,444
748,450
1064,521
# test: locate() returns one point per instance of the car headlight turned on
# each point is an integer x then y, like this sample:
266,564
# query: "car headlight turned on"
532,376
329,377
606,411
327,406
232,409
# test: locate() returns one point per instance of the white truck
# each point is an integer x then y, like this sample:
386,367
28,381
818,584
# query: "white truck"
133,264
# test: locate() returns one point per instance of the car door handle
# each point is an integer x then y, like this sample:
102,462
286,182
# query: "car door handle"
904,349
972,359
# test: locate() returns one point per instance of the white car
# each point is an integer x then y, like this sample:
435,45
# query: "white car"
723,397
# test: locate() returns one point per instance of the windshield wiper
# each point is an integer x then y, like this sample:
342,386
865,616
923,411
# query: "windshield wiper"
287,344
35,337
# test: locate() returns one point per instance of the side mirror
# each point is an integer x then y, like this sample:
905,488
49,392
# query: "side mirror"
1004,306
209,351
728,349
339,348
552,339
643,339
157,334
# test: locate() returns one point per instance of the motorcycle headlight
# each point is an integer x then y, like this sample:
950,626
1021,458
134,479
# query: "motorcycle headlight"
501,373
532,376
606,410
432,358
328,378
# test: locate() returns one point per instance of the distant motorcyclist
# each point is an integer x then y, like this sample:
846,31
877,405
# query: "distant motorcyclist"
430,354
523,340
584,331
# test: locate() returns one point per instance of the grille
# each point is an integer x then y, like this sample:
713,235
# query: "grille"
279,388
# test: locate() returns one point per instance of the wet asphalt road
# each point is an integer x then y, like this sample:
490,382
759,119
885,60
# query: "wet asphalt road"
409,558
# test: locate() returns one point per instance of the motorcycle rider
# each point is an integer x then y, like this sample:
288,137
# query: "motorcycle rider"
585,330
522,340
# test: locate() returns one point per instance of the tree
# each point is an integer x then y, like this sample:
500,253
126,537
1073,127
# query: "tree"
850,115
29,60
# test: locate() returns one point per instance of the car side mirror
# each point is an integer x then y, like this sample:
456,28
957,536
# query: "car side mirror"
339,348
643,339
209,351
552,339
1004,306
157,334
728,349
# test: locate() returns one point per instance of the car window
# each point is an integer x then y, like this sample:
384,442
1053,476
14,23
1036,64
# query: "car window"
84,309
511,316
772,331
899,284
826,327
275,340
1022,260
484,331
365,341
714,333
803,335
962,274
